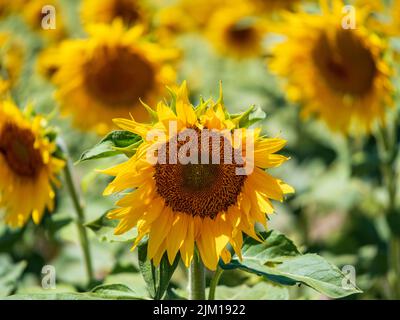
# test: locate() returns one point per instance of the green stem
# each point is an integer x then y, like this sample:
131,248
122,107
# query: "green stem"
197,279
394,263
214,283
77,203
388,153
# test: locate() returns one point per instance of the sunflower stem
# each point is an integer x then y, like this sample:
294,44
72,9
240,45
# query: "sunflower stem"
214,283
78,206
388,152
197,279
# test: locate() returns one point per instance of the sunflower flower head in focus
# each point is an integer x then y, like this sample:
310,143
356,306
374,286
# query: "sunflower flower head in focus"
338,74
237,31
131,12
28,167
180,205
104,76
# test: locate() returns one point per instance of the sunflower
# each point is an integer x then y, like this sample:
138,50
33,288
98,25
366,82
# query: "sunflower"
28,167
131,12
48,62
269,6
34,14
338,74
191,15
237,31
105,75
395,11
9,7
180,204
11,60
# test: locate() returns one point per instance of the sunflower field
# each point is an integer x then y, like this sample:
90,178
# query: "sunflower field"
199,149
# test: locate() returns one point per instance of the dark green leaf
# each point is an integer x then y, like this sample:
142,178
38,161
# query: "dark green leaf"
157,278
116,142
147,269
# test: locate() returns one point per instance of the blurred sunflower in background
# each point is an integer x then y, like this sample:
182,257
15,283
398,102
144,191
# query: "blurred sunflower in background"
270,6
8,7
339,74
237,31
34,11
190,15
395,11
179,205
28,168
104,76
47,62
11,60
131,12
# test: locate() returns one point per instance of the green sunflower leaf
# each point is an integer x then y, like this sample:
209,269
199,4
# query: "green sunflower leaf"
116,142
104,228
251,116
9,274
278,260
260,291
115,291
157,278
103,292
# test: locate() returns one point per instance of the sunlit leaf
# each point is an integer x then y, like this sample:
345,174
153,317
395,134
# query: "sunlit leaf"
116,142
260,291
277,259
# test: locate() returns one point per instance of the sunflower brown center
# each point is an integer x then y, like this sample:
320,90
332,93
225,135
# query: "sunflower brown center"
346,65
199,189
17,148
118,76
127,10
242,33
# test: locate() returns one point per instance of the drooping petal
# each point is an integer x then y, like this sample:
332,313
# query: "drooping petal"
159,231
177,235
187,248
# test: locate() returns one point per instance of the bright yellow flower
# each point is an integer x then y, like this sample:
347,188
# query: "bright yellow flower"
8,7
237,31
269,6
33,14
11,60
104,76
171,21
395,11
48,61
181,205
131,12
338,74
27,166
191,15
